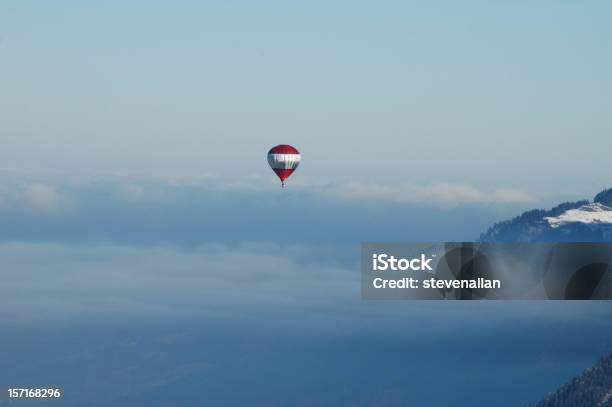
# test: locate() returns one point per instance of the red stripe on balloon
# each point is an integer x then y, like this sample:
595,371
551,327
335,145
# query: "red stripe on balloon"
283,173
283,149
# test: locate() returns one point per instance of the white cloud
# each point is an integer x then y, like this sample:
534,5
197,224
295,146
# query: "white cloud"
445,193
440,193
136,193
41,194
44,197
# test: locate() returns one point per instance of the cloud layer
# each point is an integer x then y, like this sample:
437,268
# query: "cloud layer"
434,194
43,282
53,195
205,210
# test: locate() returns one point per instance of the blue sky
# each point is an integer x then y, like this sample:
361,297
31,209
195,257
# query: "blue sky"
144,240
491,94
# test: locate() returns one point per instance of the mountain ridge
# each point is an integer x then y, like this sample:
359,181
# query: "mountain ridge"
579,221
593,387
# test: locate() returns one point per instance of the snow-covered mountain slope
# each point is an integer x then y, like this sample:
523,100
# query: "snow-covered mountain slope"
594,213
581,221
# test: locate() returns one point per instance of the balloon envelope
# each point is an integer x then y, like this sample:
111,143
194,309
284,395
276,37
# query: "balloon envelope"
283,160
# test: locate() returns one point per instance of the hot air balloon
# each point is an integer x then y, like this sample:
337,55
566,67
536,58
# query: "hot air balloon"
284,159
